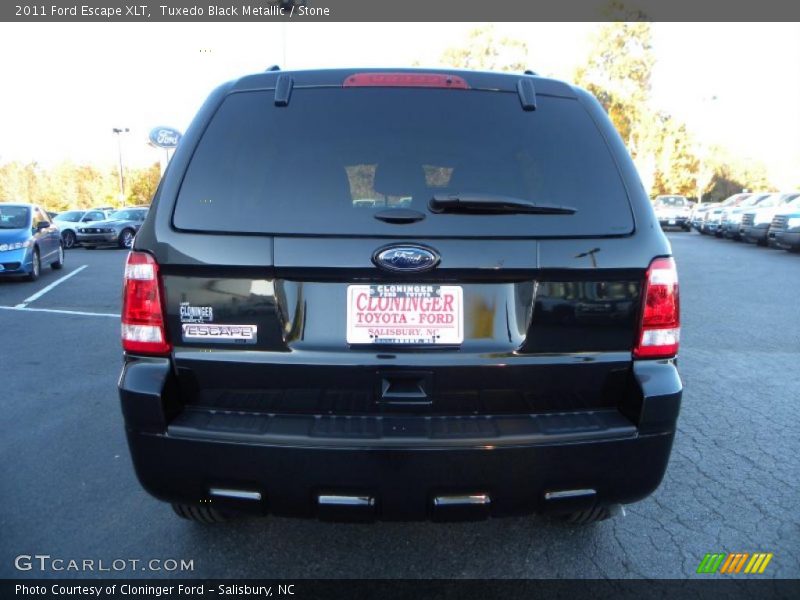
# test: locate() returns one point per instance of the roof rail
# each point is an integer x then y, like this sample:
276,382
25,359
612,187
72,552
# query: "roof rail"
283,90
527,94
273,68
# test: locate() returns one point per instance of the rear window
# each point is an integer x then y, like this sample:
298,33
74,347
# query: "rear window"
332,158
671,201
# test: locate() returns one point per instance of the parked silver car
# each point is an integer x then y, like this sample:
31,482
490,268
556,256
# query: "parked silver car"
118,229
69,221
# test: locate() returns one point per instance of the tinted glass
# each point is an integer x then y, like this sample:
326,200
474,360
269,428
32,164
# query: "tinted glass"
128,215
334,157
69,216
15,217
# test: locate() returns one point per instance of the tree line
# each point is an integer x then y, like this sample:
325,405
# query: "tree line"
68,185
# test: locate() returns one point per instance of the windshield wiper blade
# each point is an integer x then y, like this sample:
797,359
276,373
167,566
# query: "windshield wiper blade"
483,203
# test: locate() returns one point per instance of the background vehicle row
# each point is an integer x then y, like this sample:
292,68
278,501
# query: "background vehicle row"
762,218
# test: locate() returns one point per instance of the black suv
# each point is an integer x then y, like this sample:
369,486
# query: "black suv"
400,295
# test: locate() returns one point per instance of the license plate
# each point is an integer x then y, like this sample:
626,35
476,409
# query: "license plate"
672,221
402,313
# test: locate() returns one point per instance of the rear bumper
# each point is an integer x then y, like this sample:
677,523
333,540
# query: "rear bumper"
673,221
283,464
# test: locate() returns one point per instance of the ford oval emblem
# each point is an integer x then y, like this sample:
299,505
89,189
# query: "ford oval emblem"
406,258
164,137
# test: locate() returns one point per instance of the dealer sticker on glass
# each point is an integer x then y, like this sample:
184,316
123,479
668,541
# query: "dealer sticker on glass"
403,313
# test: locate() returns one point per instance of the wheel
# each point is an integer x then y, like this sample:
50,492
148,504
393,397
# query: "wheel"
199,513
59,264
37,266
90,247
125,239
68,237
592,515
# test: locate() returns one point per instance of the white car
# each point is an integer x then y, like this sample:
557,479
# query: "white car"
673,211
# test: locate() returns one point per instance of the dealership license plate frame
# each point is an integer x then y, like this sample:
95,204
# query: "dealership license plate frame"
413,333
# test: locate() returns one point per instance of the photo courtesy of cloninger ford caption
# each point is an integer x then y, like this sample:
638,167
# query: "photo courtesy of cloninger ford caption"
399,300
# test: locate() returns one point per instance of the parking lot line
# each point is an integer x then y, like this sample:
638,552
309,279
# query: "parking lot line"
46,289
19,307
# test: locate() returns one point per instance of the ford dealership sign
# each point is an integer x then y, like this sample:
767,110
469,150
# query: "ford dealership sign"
164,137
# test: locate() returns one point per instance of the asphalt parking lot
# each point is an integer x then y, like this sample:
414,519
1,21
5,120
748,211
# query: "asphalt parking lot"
733,485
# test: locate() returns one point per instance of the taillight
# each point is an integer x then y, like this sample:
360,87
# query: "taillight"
142,315
660,330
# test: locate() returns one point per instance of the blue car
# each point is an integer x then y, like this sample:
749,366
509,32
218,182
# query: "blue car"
28,239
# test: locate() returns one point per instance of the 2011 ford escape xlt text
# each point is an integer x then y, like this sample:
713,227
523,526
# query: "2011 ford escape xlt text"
400,295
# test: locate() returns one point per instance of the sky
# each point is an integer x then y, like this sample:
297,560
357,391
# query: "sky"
66,85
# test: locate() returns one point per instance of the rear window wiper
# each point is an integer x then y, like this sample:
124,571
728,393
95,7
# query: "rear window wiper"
492,204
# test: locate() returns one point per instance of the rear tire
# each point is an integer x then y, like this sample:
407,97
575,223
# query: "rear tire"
199,514
59,264
586,517
36,269
68,239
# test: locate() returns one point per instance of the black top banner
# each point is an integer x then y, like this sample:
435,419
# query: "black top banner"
396,10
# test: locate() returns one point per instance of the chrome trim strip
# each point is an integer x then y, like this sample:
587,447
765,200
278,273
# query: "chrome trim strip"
463,500
332,500
568,494
240,494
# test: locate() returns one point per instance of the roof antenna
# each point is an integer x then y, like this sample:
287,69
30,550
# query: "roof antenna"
273,68
529,72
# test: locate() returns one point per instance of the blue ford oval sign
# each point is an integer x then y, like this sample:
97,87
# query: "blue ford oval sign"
406,258
164,137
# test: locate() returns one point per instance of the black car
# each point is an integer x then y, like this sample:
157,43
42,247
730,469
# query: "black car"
493,332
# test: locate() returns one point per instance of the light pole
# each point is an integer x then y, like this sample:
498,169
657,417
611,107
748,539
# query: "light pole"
119,131
701,158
